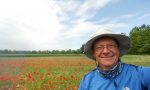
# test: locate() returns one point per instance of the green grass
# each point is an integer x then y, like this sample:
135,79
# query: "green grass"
142,60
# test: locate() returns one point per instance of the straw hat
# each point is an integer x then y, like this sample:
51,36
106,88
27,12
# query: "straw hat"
123,41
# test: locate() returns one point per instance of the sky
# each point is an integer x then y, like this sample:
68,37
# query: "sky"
65,24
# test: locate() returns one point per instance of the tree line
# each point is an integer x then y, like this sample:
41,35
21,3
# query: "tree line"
69,51
140,40
140,44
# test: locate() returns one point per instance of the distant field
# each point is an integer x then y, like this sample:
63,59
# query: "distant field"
37,55
143,60
51,73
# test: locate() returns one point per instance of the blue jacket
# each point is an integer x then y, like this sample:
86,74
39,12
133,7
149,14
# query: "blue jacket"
131,78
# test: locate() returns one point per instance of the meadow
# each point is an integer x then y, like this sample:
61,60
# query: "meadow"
51,73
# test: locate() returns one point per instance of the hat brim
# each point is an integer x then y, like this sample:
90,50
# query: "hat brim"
123,41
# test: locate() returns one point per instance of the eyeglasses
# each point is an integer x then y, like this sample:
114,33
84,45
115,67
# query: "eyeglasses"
109,46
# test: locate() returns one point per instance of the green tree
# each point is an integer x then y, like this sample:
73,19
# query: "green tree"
140,40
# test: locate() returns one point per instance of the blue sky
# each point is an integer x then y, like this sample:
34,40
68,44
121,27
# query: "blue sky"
65,24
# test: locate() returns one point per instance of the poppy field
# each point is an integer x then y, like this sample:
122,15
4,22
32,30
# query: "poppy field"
50,73
43,73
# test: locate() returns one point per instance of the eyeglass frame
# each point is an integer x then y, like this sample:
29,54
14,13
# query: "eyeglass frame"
116,45
100,48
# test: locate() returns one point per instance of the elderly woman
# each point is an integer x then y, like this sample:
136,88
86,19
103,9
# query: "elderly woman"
106,48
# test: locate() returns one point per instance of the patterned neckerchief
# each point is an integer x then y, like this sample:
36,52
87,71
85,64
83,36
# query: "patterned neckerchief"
112,72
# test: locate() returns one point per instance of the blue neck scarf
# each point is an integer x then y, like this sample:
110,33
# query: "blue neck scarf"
112,72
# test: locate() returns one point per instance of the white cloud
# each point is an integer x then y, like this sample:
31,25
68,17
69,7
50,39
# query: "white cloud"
76,12
34,24
147,15
53,24
127,16
73,15
89,8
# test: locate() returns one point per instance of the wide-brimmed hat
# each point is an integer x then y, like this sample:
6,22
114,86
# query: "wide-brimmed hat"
122,40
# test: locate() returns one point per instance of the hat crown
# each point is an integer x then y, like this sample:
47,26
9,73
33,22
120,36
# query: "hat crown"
100,32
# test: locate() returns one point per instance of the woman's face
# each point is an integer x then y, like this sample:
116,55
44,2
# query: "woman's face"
106,52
